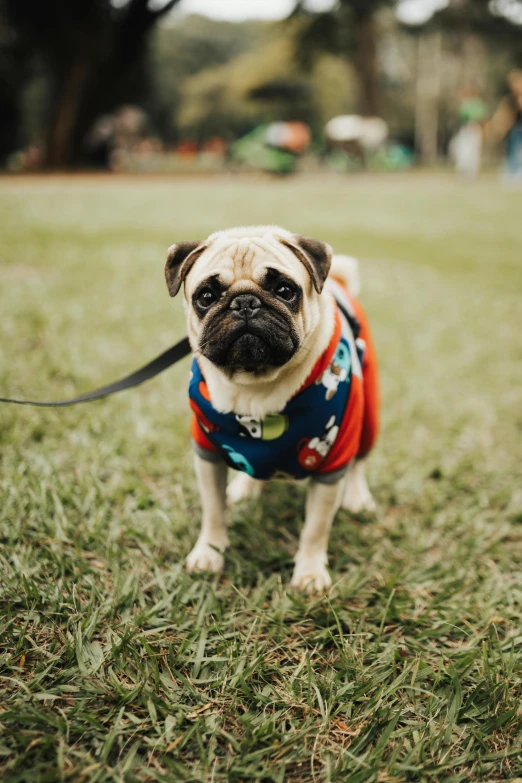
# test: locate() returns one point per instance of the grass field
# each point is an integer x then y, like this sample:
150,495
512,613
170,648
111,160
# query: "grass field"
117,666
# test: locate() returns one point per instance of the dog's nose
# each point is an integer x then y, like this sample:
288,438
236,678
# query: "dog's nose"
245,305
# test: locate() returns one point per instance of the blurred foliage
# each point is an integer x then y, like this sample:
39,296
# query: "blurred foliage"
349,30
89,52
196,77
264,84
498,23
180,51
499,20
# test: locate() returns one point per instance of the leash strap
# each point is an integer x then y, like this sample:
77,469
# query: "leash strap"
157,365
153,368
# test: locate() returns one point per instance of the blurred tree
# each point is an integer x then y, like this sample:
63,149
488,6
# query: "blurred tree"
264,84
477,31
348,29
13,73
182,50
491,18
88,48
498,22
260,85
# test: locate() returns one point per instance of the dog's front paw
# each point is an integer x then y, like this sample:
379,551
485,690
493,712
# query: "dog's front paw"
243,487
311,576
205,557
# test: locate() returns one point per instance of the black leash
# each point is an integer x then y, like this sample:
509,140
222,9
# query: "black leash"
157,365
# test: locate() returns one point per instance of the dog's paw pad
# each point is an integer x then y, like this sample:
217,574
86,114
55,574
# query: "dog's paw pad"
204,558
312,578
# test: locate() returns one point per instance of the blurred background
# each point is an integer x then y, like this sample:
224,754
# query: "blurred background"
269,85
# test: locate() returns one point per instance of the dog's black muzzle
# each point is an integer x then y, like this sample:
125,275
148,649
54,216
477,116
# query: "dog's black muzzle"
248,334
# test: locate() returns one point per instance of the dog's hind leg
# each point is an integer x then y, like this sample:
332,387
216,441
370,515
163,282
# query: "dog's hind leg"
244,487
357,497
213,540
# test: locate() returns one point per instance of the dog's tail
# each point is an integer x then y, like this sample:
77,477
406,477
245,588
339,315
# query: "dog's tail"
345,269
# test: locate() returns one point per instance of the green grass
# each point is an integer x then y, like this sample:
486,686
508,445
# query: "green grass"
114,664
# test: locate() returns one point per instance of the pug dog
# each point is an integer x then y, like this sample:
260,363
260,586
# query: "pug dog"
267,325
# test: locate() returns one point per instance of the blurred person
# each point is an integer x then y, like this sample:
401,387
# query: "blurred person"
100,142
356,136
114,138
292,137
215,146
131,126
188,149
506,125
466,145
31,158
274,148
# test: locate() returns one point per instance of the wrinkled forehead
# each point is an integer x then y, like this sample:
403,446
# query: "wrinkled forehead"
245,259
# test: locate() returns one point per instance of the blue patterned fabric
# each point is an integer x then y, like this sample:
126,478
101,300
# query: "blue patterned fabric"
293,442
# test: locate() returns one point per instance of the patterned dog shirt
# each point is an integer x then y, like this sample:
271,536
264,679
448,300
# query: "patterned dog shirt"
331,420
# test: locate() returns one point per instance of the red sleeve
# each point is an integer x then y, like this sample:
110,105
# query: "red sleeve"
346,445
353,439
199,436
372,395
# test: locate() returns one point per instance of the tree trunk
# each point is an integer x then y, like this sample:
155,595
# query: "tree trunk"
87,92
65,134
365,61
93,49
428,97
474,62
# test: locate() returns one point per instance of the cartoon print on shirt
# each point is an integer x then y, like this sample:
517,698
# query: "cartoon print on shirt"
312,452
337,371
360,345
271,427
251,425
239,461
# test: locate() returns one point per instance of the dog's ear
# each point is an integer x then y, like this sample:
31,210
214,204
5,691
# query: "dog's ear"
315,255
180,259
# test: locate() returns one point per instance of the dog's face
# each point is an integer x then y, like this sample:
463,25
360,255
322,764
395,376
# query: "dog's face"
252,295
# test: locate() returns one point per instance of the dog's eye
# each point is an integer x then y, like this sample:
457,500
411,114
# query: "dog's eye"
206,297
285,292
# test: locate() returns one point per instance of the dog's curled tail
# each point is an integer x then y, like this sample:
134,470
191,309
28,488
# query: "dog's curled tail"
346,270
